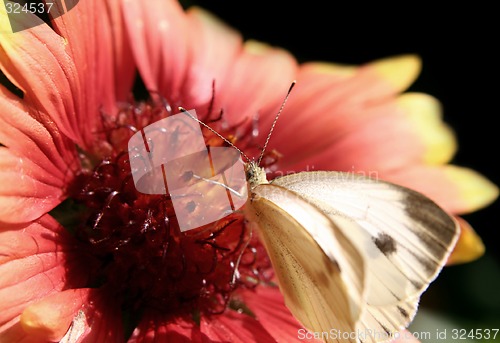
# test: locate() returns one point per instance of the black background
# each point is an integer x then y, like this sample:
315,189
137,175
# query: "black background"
460,67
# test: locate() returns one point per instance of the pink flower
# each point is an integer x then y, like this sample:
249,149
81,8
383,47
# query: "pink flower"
120,267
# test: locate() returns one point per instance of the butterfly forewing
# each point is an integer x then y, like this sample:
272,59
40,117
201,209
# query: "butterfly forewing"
387,243
405,236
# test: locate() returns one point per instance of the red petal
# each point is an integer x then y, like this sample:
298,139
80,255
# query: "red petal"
234,327
35,261
103,319
37,61
27,191
40,141
101,54
69,74
154,328
16,334
268,305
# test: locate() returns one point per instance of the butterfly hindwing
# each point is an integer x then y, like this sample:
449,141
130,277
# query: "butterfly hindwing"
312,259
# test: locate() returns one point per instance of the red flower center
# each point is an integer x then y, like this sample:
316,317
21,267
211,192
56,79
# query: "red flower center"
141,254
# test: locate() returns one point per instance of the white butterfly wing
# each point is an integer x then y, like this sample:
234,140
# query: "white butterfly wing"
403,237
312,258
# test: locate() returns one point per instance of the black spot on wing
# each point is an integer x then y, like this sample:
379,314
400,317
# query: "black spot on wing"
385,244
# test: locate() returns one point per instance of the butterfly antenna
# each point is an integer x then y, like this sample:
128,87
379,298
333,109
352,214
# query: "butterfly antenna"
183,110
274,122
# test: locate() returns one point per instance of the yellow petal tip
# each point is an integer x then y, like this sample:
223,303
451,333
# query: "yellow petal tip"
212,22
399,71
41,324
469,246
336,69
256,47
475,190
425,115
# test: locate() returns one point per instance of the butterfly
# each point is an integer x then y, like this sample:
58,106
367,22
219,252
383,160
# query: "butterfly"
351,253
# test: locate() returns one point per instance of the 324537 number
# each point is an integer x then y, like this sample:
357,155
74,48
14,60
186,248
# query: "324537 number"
14,7
458,334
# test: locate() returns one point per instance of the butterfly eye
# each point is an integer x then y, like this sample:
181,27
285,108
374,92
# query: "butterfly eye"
249,174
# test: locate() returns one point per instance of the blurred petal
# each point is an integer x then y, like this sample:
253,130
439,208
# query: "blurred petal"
399,71
159,33
257,84
213,46
342,118
469,246
425,115
458,190
337,70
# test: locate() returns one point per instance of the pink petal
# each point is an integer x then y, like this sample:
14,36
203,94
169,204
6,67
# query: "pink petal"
328,129
257,84
159,34
124,65
40,141
234,327
212,47
67,76
180,55
35,261
27,191
268,305
36,61
364,141
101,54
154,328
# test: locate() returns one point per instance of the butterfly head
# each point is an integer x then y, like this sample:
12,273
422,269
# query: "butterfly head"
255,174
